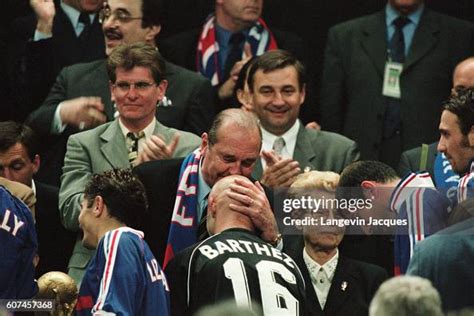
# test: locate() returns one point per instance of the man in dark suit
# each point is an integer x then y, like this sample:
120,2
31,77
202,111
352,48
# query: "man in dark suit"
80,98
229,38
19,162
387,116
54,36
277,89
335,284
463,78
418,159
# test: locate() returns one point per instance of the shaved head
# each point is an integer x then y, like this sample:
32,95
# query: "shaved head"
463,76
220,215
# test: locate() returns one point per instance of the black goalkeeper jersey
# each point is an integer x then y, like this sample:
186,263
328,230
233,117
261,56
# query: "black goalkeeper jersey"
235,264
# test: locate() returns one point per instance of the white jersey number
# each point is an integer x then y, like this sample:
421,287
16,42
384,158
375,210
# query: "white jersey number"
276,299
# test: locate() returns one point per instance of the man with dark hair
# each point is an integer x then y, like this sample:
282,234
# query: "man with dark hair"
179,189
277,89
385,75
19,161
450,275
137,84
123,277
366,174
375,180
427,157
234,263
457,131
81,99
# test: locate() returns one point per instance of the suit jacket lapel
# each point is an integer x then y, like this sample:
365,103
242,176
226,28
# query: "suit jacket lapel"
341,287
304,152
163,132
312,303
113,146
374,40
425,37
64,27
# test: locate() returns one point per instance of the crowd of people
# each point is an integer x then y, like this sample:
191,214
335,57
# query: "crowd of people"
161,174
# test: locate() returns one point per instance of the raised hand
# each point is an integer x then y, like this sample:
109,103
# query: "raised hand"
45,12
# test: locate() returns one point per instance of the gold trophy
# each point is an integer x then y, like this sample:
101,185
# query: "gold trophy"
60,287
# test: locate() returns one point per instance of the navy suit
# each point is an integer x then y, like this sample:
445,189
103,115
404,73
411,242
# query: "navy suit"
351,100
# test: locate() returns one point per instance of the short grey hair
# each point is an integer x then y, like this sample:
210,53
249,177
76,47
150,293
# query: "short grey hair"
406,296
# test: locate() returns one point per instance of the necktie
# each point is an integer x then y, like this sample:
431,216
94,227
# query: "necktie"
202,228
85,20
132,145
278,145
235,53
397,42
397,54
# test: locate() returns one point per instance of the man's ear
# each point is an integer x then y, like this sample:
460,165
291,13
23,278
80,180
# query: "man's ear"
162,86
98,206
369,188
303,94
211,206
111,87
152,32
36,164
204,142
470,137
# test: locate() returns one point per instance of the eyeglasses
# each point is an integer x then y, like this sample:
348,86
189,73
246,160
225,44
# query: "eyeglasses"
140,86
118,15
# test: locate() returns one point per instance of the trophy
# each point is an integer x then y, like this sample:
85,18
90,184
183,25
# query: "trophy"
60,287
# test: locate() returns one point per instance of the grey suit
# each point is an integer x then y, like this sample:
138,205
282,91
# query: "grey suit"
95,151
192,107
320,150
351,101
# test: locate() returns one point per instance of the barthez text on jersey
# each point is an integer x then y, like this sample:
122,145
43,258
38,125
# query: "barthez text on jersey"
243,246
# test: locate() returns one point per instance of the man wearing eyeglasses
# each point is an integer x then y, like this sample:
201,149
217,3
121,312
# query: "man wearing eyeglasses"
137,84
80,99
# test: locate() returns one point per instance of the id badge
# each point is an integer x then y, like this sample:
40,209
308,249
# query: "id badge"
391,80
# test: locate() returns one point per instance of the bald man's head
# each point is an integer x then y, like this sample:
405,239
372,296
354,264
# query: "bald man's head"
463,76
220,215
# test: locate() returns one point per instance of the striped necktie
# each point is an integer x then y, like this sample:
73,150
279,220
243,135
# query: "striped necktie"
132,145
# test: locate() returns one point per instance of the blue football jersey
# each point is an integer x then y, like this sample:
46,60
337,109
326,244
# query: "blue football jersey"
123,278
18,246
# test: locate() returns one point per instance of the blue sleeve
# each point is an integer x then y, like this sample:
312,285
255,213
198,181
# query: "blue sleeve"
121,286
